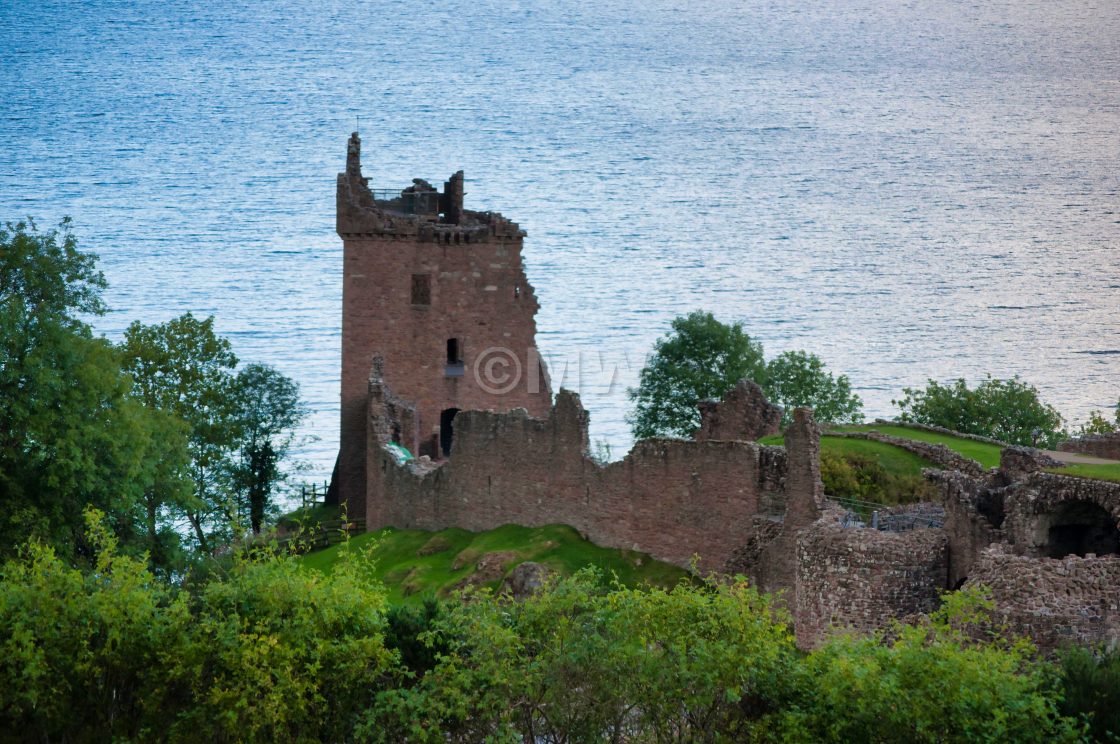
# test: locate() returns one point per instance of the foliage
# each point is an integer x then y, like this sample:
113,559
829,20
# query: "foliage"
76,650
69,434
268,409
932,683
184,369
702,358
1007,410
1098,424
407,632
1090,684
796,379
268,652
583,661
860,476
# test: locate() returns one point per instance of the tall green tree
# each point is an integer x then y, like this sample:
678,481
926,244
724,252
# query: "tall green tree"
797,378
269,409
69,434
703,358
700,358
1008,410
184,369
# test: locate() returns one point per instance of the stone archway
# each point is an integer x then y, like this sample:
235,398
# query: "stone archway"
1080,528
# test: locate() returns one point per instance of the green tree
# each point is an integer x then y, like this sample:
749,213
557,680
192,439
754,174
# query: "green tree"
184,369
796,379
703,358
269,409
700,358
1007,410
1098,424
69,433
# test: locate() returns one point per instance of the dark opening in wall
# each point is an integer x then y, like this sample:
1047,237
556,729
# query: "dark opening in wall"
454,367
446,419
421,289
1082,527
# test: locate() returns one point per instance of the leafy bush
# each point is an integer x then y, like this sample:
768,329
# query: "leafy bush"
1091,690
933,683
857,476
1007,410
582,661
268,652
1098,424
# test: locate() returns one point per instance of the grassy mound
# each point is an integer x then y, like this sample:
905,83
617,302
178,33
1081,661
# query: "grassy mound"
982,452
415,564
891,458
1093,471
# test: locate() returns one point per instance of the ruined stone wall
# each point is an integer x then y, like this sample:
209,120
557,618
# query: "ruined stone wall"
862,578
1030,505
1106,446
1054,601
743,414
409,285
974,515
673,499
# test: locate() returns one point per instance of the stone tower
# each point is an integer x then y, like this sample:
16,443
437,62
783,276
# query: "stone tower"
439,294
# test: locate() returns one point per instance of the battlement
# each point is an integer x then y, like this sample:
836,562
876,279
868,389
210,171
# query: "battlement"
420,211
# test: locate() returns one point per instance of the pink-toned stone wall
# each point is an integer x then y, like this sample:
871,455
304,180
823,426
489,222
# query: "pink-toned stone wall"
478,294
861,578
1054,601
673,499
1106,446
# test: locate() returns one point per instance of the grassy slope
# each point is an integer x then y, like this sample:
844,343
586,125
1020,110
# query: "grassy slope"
982,452
410,576
893,459
1097,472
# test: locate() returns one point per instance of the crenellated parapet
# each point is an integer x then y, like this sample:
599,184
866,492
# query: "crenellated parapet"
419,211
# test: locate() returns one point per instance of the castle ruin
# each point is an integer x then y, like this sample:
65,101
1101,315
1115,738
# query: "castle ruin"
448,420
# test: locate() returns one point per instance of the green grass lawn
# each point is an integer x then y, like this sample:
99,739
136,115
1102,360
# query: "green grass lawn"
1097,472
415,564
982,452
893,459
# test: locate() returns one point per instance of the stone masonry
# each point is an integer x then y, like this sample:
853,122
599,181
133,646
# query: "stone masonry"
1106,446
743,414
440,293
439,359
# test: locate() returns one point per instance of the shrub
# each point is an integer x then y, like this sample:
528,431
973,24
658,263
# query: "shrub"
934,683
1007,410
1091,690
860,477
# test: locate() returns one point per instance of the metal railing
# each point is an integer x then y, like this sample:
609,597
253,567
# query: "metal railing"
876,516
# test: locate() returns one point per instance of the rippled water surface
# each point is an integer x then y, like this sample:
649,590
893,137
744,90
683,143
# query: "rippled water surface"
910,189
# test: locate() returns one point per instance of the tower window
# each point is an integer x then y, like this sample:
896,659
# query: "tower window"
421,289
453,354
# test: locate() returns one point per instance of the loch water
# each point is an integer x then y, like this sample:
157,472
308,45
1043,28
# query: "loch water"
909,189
